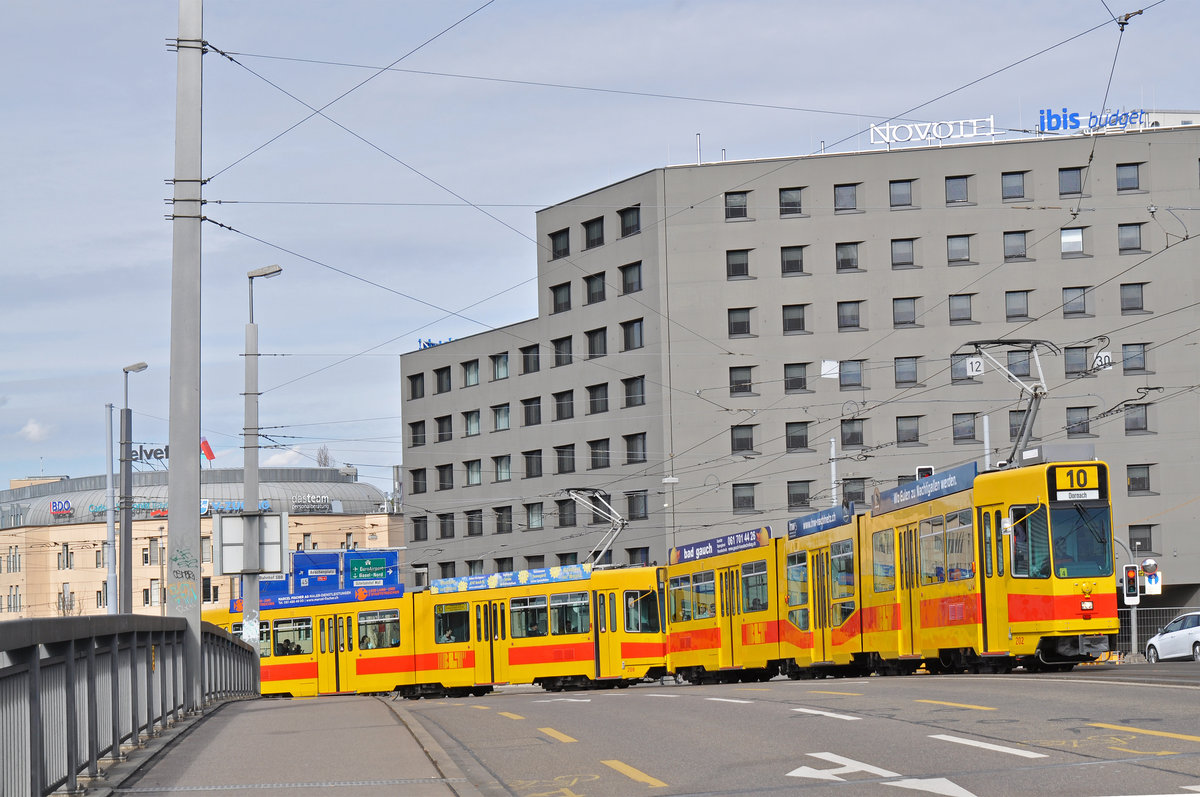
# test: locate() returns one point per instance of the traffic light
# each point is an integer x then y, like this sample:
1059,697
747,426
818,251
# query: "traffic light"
924,471
1129,585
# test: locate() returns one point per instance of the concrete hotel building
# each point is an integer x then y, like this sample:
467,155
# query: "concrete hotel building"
54,561
706,332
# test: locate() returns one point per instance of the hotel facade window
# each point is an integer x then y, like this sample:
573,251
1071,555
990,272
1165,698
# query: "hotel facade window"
849,316
845,197
741,380
1129,238
958,249
1016,305
597,398
905,371
903,252
1014,246
960,308
957,190
796,436
1079,422
560,298
789,201
597,342
562,351
594,287
735,204
1129,176
963,424
793,318
593,233
737,264
631,221
631,278
635,391
1075,301
791,260
631,335
1070,181
499,366
560,244
1012,185
795,377
530,359
908,429
1133,297
904,312
900,193
846,256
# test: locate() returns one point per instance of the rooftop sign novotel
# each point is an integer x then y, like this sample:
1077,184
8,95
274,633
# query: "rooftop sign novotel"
904,132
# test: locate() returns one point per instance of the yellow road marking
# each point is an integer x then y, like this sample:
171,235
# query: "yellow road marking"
957,705
1142,752
483,708
635,774
562,737
1128,729
511,716
823,692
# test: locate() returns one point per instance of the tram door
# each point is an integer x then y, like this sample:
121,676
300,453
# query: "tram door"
729,581
606,640
335,653
993,594
910,602
491,641
819,573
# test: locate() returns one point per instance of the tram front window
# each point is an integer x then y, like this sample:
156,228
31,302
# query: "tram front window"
1081,535
641,612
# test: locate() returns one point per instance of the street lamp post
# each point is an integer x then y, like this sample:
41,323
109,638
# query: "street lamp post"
253,517
126,604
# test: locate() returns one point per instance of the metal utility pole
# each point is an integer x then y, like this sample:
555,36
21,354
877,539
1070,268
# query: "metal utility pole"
127,494
110,512
183,485
250,511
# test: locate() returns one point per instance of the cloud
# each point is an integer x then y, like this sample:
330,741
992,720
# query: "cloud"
34,432
286,459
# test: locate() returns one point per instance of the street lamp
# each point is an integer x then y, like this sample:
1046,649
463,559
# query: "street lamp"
251,527
126,604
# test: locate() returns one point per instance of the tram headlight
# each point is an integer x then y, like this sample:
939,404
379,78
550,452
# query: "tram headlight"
1086,606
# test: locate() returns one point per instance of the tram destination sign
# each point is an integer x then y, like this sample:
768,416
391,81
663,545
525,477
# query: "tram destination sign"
820,521
729,543
939,485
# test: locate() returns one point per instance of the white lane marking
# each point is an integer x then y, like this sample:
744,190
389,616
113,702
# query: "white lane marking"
986,746
565,700
727,700
826,714
848,765
660,694
933,786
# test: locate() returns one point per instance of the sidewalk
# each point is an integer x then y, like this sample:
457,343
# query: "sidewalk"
347,746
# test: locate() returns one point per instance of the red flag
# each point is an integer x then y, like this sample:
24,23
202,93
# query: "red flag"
206,449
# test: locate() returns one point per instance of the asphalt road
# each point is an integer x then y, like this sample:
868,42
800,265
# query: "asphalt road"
1128,730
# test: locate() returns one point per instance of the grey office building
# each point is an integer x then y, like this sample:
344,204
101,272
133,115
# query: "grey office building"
724,346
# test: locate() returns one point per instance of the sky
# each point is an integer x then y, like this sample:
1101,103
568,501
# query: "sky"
455,122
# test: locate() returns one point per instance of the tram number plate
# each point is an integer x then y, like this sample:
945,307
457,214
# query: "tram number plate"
1077,483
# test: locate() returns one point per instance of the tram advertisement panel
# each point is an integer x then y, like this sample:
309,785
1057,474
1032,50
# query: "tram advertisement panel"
729,543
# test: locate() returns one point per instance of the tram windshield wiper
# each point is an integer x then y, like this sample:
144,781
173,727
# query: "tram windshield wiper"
1087,521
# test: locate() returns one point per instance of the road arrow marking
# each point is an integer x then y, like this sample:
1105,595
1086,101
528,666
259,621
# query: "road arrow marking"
826,714
933,786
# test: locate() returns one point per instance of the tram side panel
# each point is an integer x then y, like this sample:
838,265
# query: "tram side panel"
724,608
629,628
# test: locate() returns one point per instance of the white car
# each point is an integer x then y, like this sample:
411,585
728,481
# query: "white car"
1180,639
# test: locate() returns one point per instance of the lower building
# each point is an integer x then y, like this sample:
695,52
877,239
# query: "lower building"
723,346
54,553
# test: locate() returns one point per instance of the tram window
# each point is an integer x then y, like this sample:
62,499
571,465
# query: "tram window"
641,611
349,635
452,623
960,546
1081,537
797,589
998,529
883,560
479,622
379,629
841,566
756,594
322,634
293,637
985,533
933,550
1030,542
502,621
841,611
680,591
612,611
600,603
705,586
528,616
569,613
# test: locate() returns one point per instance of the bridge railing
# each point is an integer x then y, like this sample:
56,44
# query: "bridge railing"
77,691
